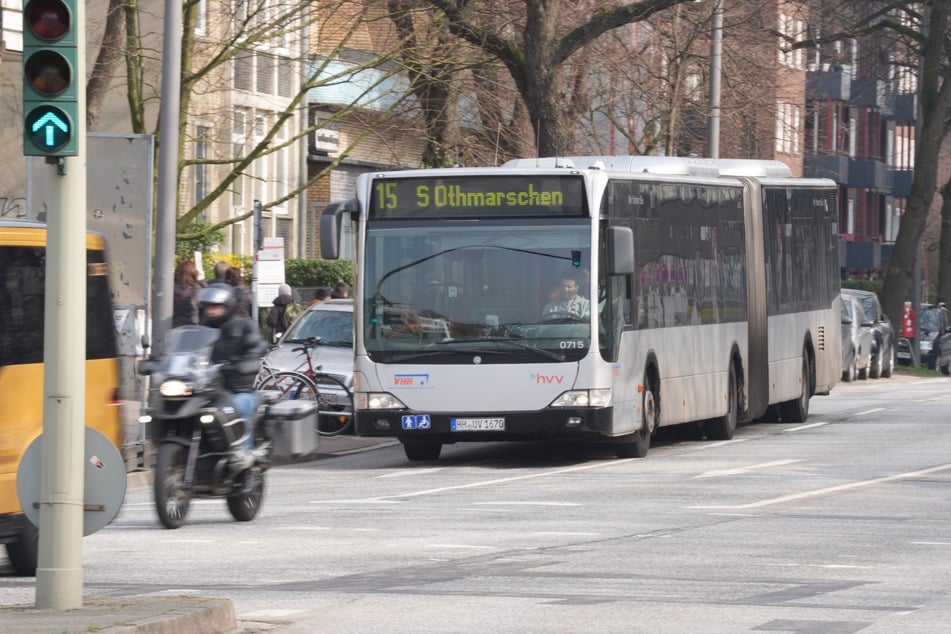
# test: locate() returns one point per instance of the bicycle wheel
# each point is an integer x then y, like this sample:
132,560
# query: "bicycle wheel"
290,385
335,405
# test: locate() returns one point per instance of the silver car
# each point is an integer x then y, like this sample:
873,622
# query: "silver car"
324,332
856,339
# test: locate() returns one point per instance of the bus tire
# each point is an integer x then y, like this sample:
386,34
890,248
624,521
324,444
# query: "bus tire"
422,451
797,410
722,428
637,444
24,552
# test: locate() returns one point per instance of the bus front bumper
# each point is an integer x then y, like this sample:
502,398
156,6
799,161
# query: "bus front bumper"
487,426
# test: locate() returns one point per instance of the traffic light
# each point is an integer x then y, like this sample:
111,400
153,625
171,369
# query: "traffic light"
50,78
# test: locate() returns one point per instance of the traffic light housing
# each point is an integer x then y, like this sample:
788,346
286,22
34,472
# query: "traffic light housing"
50,78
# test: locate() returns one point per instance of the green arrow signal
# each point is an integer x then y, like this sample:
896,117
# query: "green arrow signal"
48,129
49,120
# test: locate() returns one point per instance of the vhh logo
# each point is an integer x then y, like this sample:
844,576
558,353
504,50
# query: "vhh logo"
548,379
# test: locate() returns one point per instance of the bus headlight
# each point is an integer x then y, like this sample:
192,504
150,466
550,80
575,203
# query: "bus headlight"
377,401
175,388
583,398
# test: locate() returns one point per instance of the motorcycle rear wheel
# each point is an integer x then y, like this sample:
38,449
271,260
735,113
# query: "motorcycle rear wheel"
244,507
171,500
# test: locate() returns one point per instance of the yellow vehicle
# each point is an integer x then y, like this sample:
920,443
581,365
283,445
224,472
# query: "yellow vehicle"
22,281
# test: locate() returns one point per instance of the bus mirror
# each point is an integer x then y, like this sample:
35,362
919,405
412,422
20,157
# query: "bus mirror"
620,245
330,227
146,367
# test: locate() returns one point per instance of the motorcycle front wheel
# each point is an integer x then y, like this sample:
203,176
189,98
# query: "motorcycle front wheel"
171,499
244,507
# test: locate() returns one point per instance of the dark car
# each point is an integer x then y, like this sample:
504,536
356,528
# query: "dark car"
934,337
884,339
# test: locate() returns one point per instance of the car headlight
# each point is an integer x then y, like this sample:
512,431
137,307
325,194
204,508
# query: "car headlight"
377,401
926,345
175,388
583,398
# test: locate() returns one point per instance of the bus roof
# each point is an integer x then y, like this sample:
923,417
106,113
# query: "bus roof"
23,232
664,165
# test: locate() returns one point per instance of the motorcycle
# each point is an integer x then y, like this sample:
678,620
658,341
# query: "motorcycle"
201,442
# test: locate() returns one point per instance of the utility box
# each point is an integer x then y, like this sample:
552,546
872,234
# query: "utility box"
293,426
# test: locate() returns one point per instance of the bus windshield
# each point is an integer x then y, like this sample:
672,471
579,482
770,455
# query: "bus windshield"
507,291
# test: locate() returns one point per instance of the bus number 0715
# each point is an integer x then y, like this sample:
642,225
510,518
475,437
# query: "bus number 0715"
571,345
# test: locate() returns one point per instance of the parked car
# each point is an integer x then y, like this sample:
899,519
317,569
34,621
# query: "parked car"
331,322
934,337
856,339
884,339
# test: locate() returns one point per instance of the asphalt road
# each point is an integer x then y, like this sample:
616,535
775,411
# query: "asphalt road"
839,525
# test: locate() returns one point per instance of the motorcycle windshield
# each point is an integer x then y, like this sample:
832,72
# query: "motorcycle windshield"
189,349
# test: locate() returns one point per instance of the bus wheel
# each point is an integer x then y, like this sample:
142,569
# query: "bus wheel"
722,428
422,451
797,409
637,444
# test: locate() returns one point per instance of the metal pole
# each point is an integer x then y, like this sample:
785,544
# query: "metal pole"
716,71
59,573
167,211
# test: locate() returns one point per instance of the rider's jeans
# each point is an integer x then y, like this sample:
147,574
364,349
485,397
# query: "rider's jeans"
246,403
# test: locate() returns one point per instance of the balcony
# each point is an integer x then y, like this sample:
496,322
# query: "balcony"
832,84
872,93
901,182
906,108
870,174
826,166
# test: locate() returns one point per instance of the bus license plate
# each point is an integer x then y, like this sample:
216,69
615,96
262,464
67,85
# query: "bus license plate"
477,424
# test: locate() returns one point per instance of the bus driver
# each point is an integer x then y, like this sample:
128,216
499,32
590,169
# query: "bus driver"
569,303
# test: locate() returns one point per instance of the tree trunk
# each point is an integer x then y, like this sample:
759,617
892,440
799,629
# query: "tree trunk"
110,52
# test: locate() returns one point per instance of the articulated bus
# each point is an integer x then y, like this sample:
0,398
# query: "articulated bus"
709,297
22,288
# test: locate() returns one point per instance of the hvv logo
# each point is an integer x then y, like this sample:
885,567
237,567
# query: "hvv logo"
547,379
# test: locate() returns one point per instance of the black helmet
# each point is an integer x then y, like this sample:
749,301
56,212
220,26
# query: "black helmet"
216,294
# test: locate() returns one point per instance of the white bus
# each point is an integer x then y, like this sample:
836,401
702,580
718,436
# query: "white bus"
709,296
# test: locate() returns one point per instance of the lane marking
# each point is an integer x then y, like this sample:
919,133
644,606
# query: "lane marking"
410,472
870,411
526,503
565,534
931,543
809,426
827,490
388,499
718,443
463,546
740,470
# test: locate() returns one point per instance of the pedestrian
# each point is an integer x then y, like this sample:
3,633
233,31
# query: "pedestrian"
242,294
341,291
321,295
284,311
187,287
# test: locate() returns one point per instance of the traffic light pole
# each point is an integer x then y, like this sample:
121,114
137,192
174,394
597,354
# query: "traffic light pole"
59,573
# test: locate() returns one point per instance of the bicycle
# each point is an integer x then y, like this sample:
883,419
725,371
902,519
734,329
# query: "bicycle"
334,399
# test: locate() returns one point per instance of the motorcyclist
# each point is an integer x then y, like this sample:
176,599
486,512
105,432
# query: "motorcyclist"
240,347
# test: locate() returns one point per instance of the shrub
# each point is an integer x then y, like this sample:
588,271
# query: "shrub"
317,272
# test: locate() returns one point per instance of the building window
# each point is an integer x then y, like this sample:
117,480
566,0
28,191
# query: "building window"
201,20
243,64
265,73
788,126
201,169
791,31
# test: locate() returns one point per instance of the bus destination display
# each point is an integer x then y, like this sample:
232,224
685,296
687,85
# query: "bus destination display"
477,197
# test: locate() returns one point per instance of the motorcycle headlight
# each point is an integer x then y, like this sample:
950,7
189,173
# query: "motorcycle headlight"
175,387
583,398
926,345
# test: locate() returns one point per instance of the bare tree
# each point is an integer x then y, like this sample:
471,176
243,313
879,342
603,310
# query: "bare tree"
536,41
274,34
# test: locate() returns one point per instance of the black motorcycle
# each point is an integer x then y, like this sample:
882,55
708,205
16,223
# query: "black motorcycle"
201,442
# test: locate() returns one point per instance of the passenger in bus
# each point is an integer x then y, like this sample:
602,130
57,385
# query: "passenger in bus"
569,303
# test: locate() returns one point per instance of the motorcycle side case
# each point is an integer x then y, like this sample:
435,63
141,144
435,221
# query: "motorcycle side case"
292,426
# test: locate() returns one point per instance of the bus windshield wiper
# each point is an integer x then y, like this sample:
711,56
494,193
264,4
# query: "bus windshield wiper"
511,340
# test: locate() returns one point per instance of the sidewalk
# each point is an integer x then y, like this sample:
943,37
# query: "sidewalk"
156,614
